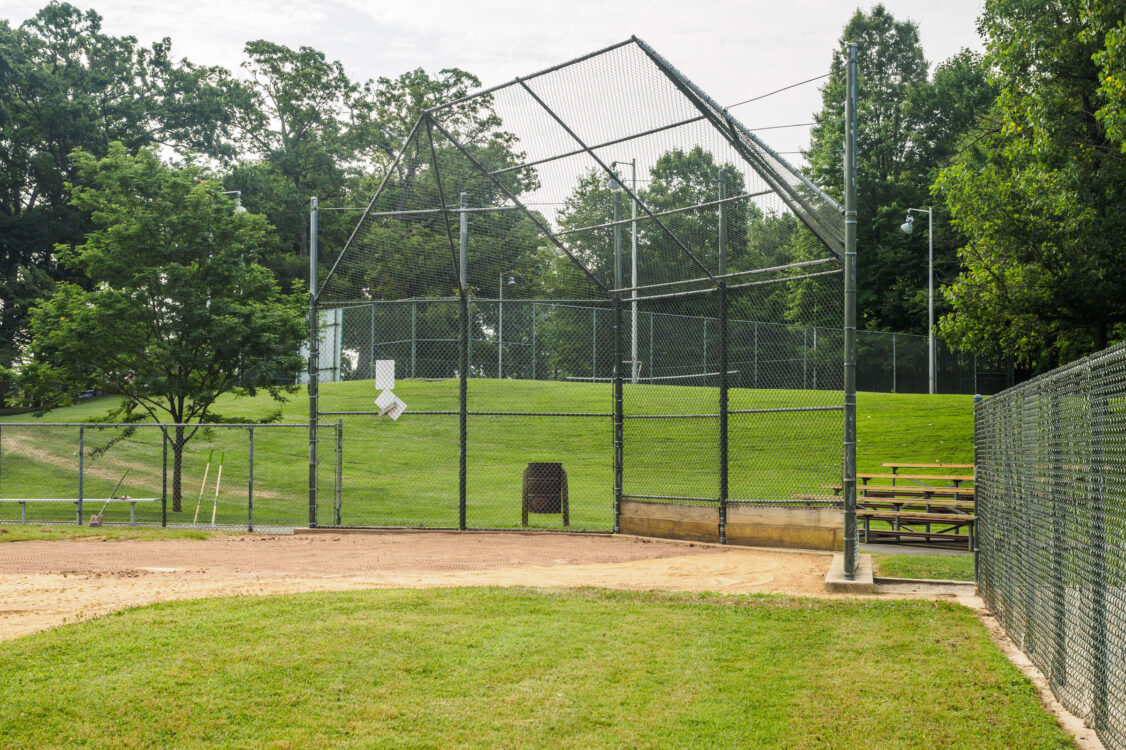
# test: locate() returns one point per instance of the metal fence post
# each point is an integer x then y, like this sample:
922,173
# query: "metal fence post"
414,338
163,476
339,467
894,385
81,467
618,412
593,343
250,481
704,338
804,357
371,358
314,362
1099,410
851,536
652,348
533,340
756,355
464,340
723,488
1057,675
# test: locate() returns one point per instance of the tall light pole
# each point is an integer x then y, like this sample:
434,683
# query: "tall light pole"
909,227
635,364
500,319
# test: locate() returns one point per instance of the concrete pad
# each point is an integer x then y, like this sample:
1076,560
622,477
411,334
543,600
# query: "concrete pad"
863,583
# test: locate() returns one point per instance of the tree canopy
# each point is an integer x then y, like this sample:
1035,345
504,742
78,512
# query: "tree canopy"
178,311
1041,193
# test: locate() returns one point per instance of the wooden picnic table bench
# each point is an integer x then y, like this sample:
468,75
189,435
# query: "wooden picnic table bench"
23,501
953,522
874,490
923,502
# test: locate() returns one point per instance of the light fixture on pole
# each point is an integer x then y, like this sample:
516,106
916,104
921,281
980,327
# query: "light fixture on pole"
238,200
909,227
500,319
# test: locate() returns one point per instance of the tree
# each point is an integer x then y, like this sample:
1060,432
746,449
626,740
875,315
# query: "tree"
1107,29
1040,198
178,312
66,84
909,127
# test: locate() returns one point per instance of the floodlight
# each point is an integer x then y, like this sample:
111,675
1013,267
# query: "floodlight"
511,280
909,226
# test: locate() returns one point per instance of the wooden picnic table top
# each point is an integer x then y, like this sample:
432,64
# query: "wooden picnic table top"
916,516
916,491
942,477
895,465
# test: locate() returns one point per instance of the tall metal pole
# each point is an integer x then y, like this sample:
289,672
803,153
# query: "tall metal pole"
635,363
250,480
314,361
463,366
619,418
500,325
722,260
851,536
617,239
723,486
163,476
933,374
81,469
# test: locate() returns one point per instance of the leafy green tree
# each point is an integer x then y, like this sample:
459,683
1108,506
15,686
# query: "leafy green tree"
1040,197
178,312
909,127
66,84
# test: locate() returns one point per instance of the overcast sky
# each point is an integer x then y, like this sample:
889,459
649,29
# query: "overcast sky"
733,49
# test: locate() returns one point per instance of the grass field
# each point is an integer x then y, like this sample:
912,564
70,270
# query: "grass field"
405,472
30,532
935,567
520,668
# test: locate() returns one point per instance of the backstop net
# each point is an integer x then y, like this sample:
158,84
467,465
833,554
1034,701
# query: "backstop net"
597,287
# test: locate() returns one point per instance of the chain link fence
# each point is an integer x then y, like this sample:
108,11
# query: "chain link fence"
217,476
1051,501
546,340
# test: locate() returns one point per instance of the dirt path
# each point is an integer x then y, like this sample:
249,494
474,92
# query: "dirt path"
44,584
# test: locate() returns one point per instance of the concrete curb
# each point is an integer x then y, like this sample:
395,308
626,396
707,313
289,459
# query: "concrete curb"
863,583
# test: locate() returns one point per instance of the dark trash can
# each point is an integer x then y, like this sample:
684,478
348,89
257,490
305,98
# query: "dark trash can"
545,491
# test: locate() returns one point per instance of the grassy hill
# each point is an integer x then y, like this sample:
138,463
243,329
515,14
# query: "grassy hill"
406,472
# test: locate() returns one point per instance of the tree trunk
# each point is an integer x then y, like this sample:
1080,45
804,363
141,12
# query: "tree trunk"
1100,336
177,469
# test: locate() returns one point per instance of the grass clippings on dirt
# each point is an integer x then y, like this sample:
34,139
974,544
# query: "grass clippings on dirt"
520,668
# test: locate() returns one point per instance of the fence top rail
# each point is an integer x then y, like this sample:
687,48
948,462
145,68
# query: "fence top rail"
1063,371
99,425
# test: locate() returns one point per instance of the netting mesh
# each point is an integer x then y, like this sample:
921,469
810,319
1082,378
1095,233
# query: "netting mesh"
597,224
1051,502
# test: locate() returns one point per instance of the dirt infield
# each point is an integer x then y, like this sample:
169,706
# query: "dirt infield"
43,584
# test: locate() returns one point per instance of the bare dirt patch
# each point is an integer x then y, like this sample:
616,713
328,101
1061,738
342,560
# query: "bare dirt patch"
48,583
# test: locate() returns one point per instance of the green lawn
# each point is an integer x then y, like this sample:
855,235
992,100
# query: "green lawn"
20,533
940,567
406,472
520,668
